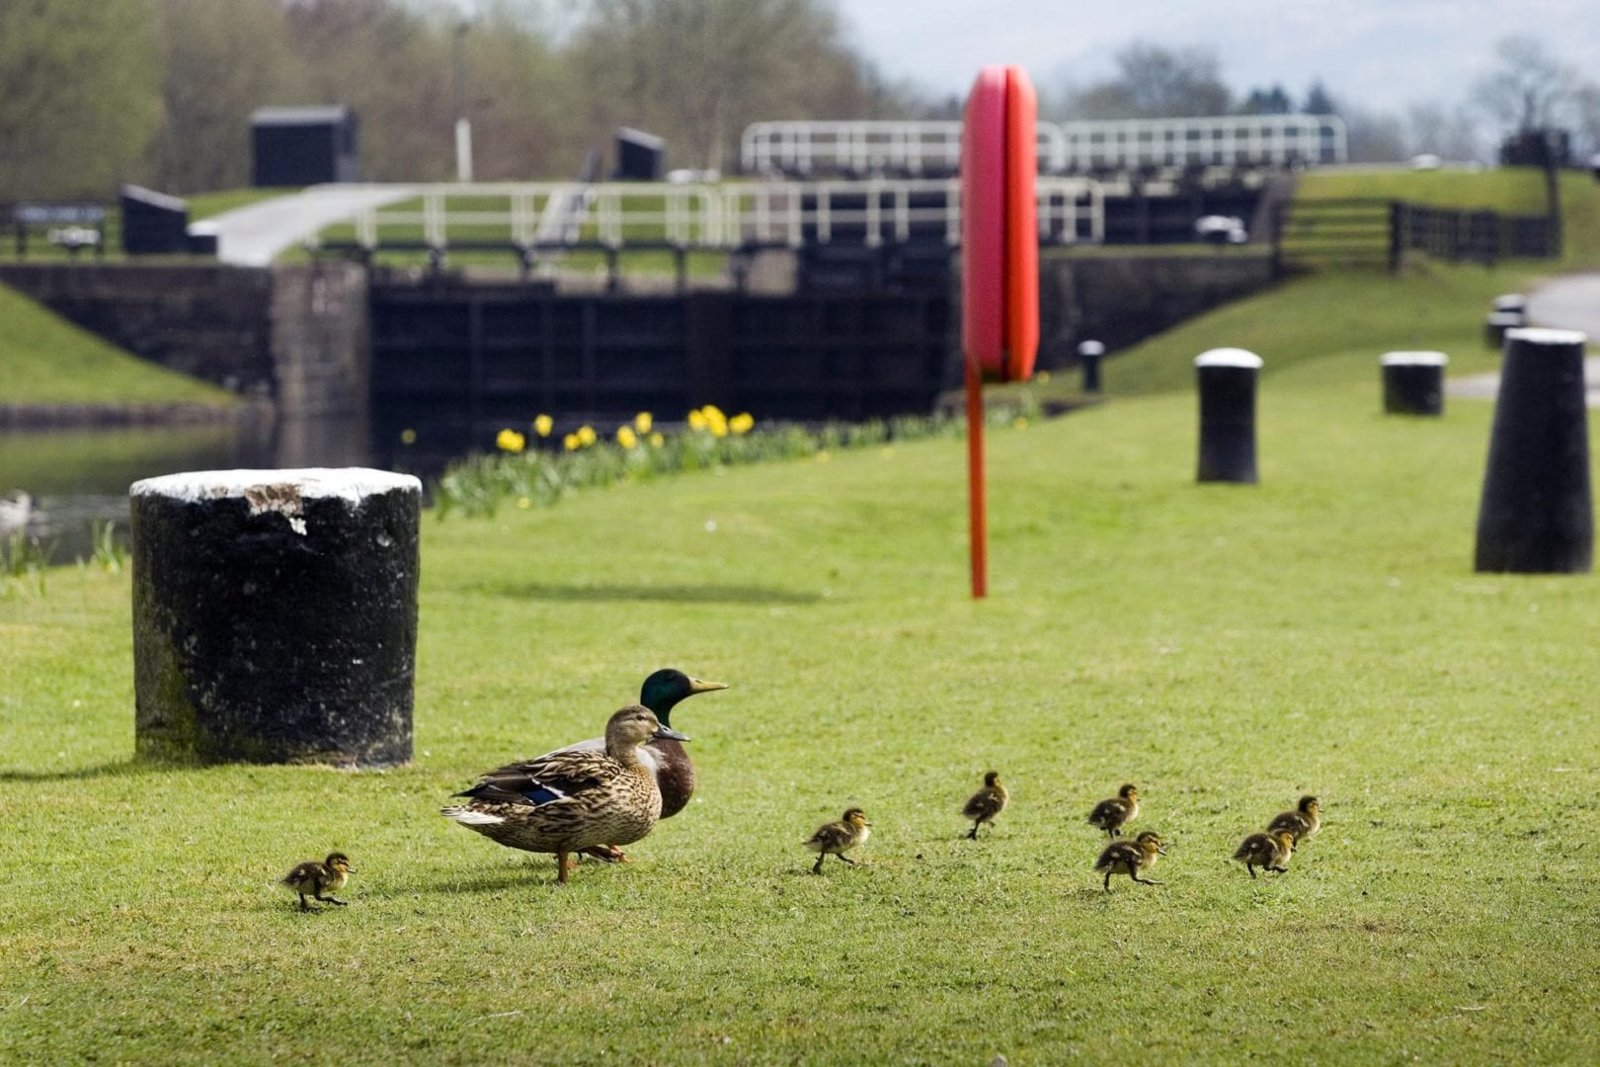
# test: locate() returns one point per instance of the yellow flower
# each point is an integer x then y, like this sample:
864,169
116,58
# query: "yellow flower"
524,503
571,442
626,437
656,440
742,422
1042,376
716,421
510,441
586,435
697,420
408,436
543,425
1020,422
643,421
822,456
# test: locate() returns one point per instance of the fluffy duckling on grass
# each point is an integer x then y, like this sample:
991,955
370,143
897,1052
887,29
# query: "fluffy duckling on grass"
1270,851
666,757
837,838
1110,815
1303,822
314,879
1131,857
572,799
985,804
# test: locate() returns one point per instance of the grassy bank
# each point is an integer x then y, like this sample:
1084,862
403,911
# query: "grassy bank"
46,360
1226,648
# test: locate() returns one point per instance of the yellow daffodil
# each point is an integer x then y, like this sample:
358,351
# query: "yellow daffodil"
408,436
1043,376
697,420
1020,422
643,421
742,422
713,413
510,441
586,435
571,442
626,437
543,425
656,440
524,503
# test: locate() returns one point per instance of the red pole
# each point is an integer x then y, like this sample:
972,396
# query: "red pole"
975,485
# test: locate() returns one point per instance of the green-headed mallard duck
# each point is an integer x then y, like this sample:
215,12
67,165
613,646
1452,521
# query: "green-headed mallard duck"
315,878
572,799
1303,822
1270,851
836,838
666,757
1131,857
1110,815
985,804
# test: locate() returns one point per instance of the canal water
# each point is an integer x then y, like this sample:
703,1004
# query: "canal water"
77,479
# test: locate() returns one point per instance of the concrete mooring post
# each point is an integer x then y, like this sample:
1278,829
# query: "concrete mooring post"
275,615
1090,354
1227,385
1413,382
1537,514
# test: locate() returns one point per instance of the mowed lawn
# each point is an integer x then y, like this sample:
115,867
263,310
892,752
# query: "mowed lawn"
1226,648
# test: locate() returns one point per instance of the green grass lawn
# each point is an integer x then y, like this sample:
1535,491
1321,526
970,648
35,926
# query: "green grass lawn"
46,360
1226,648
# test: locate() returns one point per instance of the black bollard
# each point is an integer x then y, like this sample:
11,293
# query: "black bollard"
1510,302
1227,384
1496,325
275,615
1089,354
1413,383
1536,516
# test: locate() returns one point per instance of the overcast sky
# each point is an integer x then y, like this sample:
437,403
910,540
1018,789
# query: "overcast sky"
1378,54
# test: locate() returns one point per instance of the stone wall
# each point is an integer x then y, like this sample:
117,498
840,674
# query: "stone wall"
1121,300
208,321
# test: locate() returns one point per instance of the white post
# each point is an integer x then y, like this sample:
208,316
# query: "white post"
463,150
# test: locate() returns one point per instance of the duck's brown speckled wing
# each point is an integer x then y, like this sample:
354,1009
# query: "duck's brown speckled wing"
564,773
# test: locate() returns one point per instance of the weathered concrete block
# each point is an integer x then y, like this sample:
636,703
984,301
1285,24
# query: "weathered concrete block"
275,615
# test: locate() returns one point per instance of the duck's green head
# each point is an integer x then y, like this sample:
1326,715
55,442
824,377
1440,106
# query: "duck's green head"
663,690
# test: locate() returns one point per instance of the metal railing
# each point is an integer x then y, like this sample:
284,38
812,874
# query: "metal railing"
549,216
933,148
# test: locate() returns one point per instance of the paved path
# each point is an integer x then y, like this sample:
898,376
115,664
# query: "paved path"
252,236
1568,303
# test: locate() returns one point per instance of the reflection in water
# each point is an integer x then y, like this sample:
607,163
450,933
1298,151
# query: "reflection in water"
77,478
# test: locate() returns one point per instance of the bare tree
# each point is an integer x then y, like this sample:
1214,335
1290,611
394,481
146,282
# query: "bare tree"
1154,82
1529,88
1447,133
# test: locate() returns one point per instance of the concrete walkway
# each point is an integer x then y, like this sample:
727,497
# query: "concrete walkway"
252,236
1568,303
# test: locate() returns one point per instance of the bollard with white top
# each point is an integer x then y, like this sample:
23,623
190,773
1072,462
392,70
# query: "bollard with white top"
1510,302
1413,382
1537,512
1090,354
1496,325
275,615
1227,385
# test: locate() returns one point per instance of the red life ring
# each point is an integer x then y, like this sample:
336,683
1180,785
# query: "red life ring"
999,225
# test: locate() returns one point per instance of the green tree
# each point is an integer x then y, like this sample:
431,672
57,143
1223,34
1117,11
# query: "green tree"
79,95
219,63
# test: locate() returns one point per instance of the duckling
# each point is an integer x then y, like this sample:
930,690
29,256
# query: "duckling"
986,803
572,799
1303,822
1111,814
666,757
1270,851
314,878
1131,857
851,830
